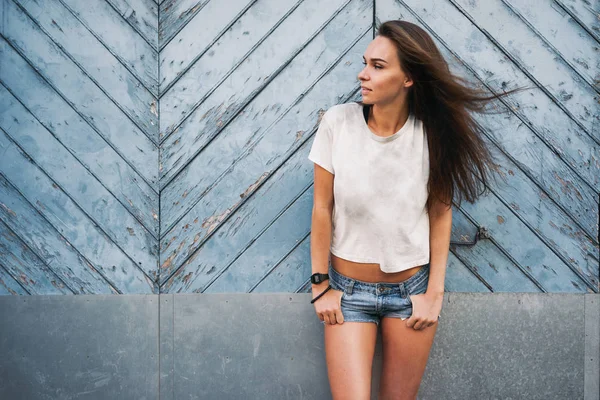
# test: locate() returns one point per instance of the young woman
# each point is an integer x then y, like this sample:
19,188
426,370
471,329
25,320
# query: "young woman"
385,175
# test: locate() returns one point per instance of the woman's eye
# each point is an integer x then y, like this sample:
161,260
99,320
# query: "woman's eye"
376,66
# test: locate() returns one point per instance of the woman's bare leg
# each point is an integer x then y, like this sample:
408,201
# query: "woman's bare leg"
405,355
349,350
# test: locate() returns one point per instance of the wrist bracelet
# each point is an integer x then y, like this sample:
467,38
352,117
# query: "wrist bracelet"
320,294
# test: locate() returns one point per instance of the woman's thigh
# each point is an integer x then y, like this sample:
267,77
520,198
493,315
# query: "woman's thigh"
405,350
349,351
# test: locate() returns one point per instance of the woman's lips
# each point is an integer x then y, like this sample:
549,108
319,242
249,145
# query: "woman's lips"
363,90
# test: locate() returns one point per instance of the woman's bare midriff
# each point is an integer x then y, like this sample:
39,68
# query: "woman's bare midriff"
368,272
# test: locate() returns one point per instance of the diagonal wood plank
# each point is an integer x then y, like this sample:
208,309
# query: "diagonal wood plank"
142,15
72,268
174,15
584,13
198,36
217,105
254,157
83,186
9,285
575,96
82,232
90,101
24,266
565,37
75,136
80,49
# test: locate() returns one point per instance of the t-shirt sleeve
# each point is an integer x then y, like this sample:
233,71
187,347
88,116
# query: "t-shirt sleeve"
322,146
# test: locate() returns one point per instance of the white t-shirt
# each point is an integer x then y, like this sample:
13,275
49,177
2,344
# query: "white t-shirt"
380,189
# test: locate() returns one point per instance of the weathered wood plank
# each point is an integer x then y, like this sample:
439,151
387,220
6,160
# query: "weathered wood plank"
545,168
79,181
23,265
545,118
527,249
212,107
534,57
459,278
567,38
9,286
251,148
90,101
81,230
516,195
119,37
585,13
73,269
173,15
486,262
266,251
77,136
198,36
233,95
142,15
259,209
289,274
86,55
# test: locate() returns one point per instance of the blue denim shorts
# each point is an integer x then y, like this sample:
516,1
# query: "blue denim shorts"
370,301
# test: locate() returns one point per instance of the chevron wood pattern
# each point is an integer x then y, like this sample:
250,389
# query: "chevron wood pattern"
152,146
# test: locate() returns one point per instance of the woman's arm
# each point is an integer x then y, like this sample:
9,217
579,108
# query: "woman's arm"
440,225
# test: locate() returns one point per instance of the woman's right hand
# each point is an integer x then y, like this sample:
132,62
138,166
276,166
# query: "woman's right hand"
328,306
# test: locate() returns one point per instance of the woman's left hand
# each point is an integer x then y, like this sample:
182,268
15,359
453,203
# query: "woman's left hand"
426,309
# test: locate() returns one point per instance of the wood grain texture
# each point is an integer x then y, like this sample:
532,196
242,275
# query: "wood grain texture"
154,146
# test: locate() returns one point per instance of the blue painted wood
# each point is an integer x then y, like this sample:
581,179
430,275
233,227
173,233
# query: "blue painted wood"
9,286
67,43
560,32
579,250
78,138
142,15
84,188
575,96
197,118
91,102
174,15
261,138
487,263
30,273
196,38
79,228
39,236
585,13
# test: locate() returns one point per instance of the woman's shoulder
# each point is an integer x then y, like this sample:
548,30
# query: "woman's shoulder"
339,112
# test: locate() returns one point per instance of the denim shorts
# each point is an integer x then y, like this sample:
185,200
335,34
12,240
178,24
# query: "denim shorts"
370,301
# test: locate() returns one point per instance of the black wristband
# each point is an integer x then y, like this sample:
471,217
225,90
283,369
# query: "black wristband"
320,294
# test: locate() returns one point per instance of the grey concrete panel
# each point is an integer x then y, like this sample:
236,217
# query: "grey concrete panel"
507,346
79,347
270,346
167,343
500,346
592,347
248,346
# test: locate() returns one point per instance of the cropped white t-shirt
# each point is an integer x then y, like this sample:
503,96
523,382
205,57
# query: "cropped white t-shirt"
380,189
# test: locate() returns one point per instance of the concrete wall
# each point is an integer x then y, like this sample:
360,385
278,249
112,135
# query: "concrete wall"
270,346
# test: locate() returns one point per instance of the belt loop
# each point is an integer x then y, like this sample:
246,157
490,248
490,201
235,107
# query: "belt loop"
403,291
349,287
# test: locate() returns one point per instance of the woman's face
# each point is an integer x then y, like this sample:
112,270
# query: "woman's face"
382,73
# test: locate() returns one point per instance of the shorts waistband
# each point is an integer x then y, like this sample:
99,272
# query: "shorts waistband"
405,286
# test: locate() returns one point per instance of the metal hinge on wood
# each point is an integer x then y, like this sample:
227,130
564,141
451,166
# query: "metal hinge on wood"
482,233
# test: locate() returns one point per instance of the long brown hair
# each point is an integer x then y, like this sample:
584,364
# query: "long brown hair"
459,158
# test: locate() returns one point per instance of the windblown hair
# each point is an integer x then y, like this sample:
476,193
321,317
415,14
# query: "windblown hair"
459,159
